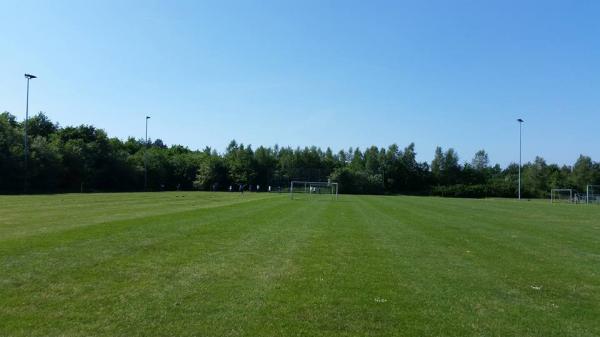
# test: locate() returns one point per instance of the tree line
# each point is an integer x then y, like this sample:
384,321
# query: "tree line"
85,159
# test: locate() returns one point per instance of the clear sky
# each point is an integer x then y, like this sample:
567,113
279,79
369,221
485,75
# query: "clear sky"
326,73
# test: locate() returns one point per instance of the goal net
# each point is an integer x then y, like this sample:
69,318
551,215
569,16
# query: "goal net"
313,189
561,195
593,194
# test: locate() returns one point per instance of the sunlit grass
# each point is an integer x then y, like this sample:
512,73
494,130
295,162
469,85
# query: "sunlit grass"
222,264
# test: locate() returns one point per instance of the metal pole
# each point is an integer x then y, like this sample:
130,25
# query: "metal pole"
520,158
520,153
145,161
25,138
25,147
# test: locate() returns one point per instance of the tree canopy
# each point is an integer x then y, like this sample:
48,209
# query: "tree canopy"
85,158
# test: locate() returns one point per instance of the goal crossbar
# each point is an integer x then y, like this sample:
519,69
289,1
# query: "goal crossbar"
312,187
555,194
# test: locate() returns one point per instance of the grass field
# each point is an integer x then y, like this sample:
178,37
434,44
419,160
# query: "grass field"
219,264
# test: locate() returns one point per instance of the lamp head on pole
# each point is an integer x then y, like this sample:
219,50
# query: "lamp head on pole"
29,76
520,120
147,117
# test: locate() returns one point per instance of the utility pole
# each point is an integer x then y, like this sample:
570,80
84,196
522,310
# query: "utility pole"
25,149
145,161
520,151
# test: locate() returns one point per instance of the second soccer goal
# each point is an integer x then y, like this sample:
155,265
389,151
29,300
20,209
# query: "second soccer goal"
313,189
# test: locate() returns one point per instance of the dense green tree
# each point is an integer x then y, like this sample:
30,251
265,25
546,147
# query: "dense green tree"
535,178
84,158
240,164
445,166
11,154
45,164
437,164
480,161
40,125
212,173
583,173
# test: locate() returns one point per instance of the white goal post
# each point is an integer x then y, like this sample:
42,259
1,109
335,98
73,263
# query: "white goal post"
311,189
592,195
561,195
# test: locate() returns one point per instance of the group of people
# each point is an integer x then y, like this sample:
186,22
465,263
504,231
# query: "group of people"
242,187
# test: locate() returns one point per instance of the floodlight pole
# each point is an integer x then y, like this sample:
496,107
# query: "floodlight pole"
520,152
145,161
28,77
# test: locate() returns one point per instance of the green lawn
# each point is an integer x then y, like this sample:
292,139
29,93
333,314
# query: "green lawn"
221,264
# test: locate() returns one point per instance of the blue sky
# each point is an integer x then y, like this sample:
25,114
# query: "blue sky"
327,73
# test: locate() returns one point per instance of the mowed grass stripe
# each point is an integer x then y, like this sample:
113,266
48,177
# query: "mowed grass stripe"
493,277
85,246
55,213
359,266
270,260
139,276
137,228
340,287
444,283
111,233
510,230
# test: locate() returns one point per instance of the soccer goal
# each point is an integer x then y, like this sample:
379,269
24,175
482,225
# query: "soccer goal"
593,194
313,189
561,195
